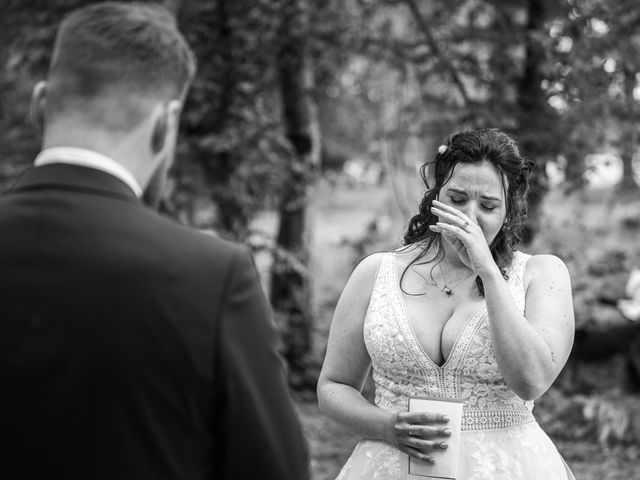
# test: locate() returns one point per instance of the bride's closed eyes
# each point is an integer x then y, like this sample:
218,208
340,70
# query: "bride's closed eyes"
459,201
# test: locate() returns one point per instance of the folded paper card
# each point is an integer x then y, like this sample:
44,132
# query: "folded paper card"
446,461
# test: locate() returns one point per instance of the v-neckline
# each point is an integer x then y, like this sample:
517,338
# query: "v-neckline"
471,319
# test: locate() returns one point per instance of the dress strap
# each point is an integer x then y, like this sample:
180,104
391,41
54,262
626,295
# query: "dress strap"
518,264
380,278
516,277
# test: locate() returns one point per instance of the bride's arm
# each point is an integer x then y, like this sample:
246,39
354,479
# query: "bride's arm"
531,349
347,362
345,369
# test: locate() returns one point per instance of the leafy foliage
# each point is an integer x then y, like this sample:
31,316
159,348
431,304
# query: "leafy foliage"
392,77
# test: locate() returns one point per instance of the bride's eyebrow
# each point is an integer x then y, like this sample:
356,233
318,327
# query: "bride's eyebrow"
484,197
491,197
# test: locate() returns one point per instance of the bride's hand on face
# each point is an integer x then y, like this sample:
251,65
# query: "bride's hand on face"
464,236
418,434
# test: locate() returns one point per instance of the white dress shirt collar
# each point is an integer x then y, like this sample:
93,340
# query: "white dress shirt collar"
88,158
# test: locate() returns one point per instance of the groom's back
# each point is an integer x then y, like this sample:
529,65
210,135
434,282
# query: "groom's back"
130,347
108,335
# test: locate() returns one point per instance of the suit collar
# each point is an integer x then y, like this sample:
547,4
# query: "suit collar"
73,177
88,158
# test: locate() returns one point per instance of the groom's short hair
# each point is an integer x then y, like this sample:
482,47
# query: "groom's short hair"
120,51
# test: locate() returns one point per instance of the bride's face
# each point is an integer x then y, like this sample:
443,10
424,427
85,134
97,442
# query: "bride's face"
477,190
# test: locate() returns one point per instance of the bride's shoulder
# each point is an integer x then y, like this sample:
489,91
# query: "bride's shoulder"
541,260
544,266
363,277
370,264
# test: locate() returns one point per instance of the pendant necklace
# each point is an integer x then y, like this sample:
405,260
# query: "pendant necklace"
447,288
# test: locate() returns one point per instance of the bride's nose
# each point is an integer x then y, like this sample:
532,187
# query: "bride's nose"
471,210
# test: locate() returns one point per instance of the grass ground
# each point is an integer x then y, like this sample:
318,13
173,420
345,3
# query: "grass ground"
341,218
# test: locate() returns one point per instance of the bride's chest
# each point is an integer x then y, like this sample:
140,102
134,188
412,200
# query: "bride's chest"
406,338
438,323
436,312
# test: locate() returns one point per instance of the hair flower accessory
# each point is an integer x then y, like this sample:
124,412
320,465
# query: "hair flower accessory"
442,149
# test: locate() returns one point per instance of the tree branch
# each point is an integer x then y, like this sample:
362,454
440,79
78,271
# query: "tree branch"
433,43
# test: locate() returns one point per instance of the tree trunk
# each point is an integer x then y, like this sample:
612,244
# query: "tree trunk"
629,137
627,183
290,282
210,169
574,172
575,168
536,125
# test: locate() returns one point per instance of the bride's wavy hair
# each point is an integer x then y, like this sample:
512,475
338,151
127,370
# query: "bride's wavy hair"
474,146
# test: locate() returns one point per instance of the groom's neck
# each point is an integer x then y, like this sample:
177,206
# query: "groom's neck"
129,149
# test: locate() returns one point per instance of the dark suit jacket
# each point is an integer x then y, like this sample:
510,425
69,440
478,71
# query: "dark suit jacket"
132,347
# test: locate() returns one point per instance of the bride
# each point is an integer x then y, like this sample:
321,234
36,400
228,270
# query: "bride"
456,313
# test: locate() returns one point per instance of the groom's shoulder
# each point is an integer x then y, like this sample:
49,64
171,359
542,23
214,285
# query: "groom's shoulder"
190,242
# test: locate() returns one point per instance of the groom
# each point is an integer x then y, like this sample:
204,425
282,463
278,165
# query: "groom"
130,347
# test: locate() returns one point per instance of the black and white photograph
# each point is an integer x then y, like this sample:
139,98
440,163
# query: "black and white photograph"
320,240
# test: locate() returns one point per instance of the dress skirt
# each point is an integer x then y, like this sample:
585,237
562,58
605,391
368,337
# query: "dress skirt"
524,452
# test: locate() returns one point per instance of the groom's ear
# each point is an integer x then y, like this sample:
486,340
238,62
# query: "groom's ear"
165,123
174,108
159,133
38,105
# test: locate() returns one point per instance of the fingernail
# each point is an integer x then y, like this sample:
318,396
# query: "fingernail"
447,432
444,445
444,418
431,461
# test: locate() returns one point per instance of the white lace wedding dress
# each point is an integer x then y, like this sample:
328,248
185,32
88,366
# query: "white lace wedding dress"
500,437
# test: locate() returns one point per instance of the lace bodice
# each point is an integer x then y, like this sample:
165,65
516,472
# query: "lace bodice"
401,368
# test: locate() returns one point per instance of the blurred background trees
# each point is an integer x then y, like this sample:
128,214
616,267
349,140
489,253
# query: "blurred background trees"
298,104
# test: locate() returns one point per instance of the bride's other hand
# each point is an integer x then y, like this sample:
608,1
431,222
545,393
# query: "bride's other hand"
418,434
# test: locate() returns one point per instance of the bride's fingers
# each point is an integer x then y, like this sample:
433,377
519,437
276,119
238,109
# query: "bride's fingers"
451,218
451,210
415,453
426,446
427,432
455,230
407,419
